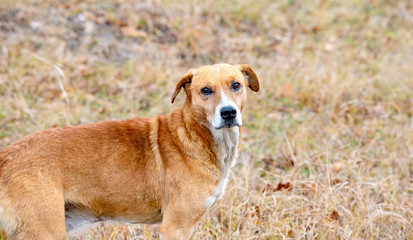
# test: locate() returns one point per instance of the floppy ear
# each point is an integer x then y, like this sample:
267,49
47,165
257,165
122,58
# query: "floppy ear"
187,78
250,76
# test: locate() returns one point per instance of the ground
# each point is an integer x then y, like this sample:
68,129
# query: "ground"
327,146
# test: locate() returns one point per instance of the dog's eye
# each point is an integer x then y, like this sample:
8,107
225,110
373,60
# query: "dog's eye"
236,86
206,91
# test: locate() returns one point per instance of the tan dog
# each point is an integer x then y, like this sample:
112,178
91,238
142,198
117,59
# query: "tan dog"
168,169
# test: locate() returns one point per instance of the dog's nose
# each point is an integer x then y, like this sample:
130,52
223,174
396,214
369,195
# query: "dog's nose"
228,113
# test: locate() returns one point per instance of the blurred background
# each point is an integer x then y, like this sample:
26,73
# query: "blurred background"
327,147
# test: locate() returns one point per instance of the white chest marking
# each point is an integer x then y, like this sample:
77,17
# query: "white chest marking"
226,144
219,192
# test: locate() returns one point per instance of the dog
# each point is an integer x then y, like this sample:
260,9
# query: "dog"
168,169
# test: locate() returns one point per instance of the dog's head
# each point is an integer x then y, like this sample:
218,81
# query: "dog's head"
216,93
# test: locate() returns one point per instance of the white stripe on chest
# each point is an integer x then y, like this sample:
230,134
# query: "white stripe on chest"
226,145
219,192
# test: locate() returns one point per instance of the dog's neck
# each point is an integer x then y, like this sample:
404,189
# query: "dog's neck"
226,145
225,140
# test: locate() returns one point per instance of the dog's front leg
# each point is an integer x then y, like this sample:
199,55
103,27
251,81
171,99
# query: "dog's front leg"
178,224
171,232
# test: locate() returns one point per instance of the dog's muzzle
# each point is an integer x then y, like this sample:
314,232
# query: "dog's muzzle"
228,115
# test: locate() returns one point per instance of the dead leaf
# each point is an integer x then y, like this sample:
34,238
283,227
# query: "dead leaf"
334,215
336,181
282,186
290,233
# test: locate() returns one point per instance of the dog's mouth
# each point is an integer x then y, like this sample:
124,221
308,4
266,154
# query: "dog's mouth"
228,125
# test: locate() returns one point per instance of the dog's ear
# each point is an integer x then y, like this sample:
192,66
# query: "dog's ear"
250,76
186,79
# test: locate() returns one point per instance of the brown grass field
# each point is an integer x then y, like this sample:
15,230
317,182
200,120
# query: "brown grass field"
327,148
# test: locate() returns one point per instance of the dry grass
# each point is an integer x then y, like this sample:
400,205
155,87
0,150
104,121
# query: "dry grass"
328,144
